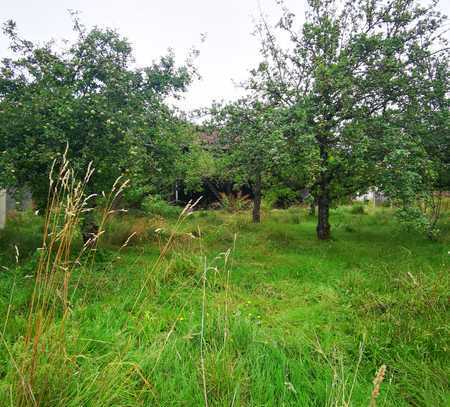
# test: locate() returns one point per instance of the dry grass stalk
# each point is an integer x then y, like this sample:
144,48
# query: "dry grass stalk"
202,334
67,203
341,392
376,385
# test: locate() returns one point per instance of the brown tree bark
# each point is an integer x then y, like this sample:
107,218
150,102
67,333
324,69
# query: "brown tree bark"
323,199
323,224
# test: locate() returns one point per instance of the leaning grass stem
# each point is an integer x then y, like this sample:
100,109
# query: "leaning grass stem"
202,334
9,306
228,265
163,253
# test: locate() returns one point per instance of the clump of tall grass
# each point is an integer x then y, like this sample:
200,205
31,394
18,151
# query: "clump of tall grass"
154,205
181,268
357,209
40,357
142,230
235,202
165,246
211,217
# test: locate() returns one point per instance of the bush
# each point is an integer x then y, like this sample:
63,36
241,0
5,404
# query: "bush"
413,219
155,205
281,197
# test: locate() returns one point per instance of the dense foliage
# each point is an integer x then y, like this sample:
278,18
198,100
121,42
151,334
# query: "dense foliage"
160,305
366,82
89,97
357,100
250,146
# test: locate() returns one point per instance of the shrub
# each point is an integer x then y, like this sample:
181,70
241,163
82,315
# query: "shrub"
155,205
413,219
281,197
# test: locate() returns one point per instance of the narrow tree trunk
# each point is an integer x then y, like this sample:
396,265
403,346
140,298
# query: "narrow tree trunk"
323,198
257,200
323,224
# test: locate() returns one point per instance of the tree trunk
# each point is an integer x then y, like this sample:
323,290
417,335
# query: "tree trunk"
323,224
323,198
257,199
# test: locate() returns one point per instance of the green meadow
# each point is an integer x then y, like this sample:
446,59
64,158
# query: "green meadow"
215,310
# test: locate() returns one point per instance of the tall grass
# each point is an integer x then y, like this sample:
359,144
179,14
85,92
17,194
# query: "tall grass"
273,319
41,353
41,358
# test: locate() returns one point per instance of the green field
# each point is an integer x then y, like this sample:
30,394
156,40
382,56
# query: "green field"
235,314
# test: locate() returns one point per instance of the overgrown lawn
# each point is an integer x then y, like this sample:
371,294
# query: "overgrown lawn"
272,316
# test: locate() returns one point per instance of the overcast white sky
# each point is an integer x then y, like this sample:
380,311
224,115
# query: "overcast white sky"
152,26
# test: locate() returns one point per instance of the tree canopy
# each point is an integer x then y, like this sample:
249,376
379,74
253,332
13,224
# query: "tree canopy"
358,99
250,145
354,75
90,97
